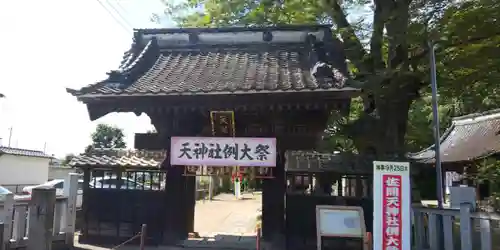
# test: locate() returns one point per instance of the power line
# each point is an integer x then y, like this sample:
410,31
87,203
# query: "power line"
119,14
121,7
127,29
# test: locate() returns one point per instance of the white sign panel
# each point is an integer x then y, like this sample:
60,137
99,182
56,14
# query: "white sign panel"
223,151
340,222
392,206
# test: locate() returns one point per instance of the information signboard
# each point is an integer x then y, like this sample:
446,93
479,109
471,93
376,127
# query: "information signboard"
339,222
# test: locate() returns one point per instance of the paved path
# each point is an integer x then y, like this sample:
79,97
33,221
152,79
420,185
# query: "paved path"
226,215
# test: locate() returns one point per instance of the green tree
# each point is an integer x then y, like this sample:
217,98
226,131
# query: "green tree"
107,136
386,43
67,159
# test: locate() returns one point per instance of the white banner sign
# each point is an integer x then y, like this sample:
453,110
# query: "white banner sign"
223,151
392,206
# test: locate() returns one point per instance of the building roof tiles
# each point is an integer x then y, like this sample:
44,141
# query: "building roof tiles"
468,138
23,152
119,158
169,67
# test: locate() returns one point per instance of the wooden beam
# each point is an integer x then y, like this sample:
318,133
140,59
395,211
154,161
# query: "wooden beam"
241,103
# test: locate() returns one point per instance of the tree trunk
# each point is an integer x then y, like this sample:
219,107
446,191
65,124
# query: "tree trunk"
381,132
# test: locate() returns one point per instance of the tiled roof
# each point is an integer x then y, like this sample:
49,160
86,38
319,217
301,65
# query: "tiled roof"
468,138
119,158
222,69
23,152
342,163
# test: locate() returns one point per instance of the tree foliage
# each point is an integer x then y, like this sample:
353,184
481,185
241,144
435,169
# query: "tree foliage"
67,159
386,44
107,136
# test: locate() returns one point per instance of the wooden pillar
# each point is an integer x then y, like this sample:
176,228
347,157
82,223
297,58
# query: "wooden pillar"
173,197
325,182
41,217
85,202
273,202
179,189
190,196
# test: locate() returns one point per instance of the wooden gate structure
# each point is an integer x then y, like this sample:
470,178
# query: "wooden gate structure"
280,82
341,179
122,190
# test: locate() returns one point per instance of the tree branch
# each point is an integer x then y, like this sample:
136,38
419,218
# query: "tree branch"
397,26
443,44
376,40
353,48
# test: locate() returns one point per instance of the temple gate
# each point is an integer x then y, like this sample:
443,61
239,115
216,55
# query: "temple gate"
278,82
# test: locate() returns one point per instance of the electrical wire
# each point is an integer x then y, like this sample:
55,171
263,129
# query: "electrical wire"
121,7
127,29
119,14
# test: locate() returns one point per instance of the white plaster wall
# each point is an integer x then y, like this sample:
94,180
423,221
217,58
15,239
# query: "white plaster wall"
60,172
22,170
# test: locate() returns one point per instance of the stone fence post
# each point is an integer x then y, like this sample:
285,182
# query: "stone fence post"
41,218
6,218
69,214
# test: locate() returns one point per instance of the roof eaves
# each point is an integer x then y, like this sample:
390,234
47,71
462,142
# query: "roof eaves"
232,29
24,152
429,152
83,97
476,117
118,77
428,155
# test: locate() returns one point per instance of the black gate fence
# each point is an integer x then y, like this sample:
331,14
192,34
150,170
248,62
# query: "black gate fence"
323,179
117,202
122,190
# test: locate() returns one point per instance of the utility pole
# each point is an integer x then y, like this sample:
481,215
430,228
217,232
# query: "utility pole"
10,136
437,142
1,139
435,114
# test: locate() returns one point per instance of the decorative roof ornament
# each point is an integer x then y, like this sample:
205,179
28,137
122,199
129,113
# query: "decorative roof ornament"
194,38
267,36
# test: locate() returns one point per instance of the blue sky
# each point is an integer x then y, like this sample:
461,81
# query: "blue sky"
54,44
